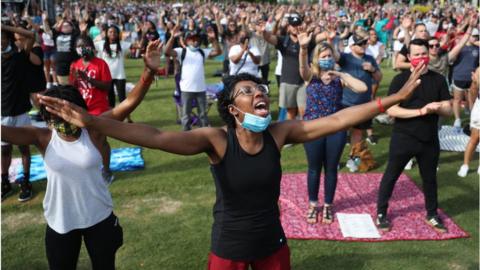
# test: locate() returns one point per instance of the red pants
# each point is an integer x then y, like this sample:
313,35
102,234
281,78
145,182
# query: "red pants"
280,260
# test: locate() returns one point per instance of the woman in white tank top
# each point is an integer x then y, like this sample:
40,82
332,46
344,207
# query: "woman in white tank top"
77,202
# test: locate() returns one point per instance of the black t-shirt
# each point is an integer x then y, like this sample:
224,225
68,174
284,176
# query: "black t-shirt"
246,216
66,53
290,64
15,93
433,88
37,76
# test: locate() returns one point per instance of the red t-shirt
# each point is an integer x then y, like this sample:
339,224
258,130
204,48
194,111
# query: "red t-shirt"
96,99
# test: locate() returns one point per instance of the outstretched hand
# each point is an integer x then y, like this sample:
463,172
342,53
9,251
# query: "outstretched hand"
153,54
69,112
413,81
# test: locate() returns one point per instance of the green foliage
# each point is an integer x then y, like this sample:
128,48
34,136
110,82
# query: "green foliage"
166,209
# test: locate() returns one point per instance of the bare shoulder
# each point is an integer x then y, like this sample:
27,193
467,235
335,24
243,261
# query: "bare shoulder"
44,135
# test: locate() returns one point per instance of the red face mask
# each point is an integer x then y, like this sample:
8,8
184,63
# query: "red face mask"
416,61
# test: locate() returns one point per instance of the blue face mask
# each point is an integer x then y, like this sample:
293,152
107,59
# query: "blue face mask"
326,64
193,48
255,123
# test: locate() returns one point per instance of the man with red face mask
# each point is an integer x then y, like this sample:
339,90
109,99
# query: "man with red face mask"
415,134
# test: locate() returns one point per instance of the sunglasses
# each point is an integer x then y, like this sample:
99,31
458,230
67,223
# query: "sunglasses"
249,91
361,43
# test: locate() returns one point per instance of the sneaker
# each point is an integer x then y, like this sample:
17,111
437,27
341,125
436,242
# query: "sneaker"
351,165
25,192
6,190
409,165
463,170
372,139
312,214
327,216
288,145
382,223
436,223
108,177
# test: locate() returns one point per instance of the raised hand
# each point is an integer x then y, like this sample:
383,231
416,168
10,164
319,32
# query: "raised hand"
304,38
67,111
153,54
413,81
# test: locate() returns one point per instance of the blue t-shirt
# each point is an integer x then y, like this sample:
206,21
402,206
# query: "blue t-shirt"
466,63
323,99
353,66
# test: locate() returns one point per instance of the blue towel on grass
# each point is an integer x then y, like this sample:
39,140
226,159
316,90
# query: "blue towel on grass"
121,159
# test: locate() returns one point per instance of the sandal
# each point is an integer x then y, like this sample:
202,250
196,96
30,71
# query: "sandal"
312,214
327,216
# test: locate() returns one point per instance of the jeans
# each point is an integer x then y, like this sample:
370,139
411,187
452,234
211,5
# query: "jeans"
201,100
402,148
326,152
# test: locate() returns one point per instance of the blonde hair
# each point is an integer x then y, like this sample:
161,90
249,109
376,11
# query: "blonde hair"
321,47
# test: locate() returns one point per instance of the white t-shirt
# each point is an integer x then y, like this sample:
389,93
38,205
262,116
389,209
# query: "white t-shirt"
116,63
193,70
249,67
278,68
374,50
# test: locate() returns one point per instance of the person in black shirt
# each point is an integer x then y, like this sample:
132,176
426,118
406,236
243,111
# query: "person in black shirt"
17,58
244,158
415,134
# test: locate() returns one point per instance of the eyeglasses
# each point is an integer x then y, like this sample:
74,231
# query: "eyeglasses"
431,46
249,91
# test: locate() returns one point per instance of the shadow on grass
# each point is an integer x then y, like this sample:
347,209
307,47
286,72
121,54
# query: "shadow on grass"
362,260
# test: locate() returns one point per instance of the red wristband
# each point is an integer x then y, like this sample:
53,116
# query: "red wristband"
380,106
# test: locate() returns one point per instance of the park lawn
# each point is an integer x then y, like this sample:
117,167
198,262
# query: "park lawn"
166,209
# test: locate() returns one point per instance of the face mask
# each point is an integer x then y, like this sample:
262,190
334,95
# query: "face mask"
254,123
84,51
192,48
326,64
445,26
416,61
8,49
64,128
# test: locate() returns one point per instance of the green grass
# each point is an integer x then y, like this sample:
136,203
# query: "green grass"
166,209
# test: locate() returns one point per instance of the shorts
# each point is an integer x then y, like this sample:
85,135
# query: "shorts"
461,85
15,121
364,125
280,260
475,115
49,54
292,96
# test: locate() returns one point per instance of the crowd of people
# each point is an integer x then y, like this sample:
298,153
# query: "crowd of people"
329,67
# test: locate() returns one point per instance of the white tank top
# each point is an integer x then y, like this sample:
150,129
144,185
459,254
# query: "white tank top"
77,196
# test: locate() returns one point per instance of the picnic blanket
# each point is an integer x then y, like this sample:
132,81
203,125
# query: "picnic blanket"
121,159
357,194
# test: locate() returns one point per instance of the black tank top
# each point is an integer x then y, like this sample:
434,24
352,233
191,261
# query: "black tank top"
246,216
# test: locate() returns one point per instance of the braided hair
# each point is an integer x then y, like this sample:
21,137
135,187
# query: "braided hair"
106,45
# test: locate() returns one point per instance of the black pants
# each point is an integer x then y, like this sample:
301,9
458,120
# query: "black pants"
264,70
402,149
120,85
102,241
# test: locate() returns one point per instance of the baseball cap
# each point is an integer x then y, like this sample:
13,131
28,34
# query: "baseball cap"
294,19
359,39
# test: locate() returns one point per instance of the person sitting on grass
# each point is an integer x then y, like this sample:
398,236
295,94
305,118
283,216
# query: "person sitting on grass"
77,201
244,158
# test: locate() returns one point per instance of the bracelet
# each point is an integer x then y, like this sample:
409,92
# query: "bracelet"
380,106
150,80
